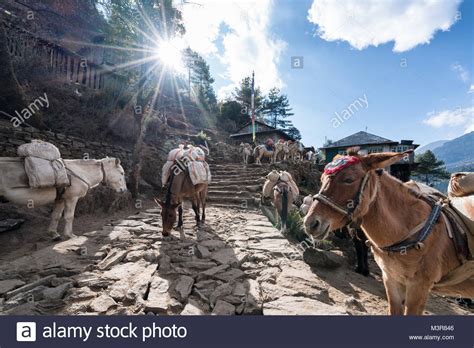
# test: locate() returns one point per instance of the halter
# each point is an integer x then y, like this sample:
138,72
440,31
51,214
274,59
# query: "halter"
349,211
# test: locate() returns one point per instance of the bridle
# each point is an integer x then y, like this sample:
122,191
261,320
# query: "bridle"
347,211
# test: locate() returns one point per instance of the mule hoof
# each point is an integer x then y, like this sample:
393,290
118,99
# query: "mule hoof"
365,272
54,236
72,235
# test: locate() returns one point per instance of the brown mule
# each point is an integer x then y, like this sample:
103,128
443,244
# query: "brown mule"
390,214
180,186
283,199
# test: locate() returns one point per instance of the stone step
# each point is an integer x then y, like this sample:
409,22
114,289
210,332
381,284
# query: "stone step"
235,176
249,188
229,193
243,202
239,182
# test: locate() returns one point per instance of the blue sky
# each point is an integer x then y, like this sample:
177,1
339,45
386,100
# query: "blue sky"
416,78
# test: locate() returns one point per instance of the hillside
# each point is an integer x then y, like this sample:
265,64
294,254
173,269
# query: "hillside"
457,154
430,146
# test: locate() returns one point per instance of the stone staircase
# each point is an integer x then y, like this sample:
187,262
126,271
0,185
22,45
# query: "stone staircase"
236,185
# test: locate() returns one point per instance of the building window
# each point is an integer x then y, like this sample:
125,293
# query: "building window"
375,149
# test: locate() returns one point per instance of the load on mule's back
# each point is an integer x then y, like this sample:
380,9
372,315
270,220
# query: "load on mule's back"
187,175
283,191
42,177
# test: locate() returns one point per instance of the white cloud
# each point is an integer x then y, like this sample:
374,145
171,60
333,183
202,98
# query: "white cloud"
451,118
461,71
237,32
471,89
373,22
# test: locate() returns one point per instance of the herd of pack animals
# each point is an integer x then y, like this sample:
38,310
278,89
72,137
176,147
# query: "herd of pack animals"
414,239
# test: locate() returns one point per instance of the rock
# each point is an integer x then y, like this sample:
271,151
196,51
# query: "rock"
10,284
321,258
198,264
102,304
183,287
354,304
158,300
80,294
213,244
202,252
225,256
296,279
134,255
223,308
221,291
212,272
290,305
192,308
112,259
29,286
230,275
57,292
10,224
151,256
253,300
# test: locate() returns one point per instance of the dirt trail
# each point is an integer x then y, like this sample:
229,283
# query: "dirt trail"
236,263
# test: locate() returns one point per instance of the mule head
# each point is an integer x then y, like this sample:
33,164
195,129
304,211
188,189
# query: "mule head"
168,216
342,185
114,174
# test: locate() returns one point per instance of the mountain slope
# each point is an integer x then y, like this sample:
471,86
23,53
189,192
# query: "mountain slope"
457,154
430,146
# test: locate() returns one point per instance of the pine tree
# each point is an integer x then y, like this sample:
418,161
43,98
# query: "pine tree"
276,108
429,168
243,95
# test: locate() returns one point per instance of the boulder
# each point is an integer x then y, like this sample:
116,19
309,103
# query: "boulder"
102,304
223,308
182,288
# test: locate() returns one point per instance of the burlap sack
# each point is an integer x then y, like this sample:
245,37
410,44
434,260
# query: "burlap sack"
461,184
45,173
40,149
286,177
272,179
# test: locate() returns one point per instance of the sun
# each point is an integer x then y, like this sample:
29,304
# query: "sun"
170,53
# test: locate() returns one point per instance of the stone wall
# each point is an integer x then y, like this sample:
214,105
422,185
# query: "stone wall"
70,147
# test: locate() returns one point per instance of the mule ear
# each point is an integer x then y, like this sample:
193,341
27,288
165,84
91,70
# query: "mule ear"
159,202
353,151
117,162
383,159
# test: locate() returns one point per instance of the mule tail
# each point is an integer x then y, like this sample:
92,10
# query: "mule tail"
284,208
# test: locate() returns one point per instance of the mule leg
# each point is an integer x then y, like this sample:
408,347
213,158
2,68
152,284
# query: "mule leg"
55,217
416,296
203,196
196,210
362,252
70,207
180,216
395,295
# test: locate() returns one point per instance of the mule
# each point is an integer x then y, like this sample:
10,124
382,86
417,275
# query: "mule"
281,152
295,150
246,150
283,198
180,187
262,151
84,174
391,215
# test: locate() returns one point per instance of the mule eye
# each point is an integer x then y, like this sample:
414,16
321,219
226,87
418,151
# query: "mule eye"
348,181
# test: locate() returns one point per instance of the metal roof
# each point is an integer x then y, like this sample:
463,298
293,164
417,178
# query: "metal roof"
360,138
